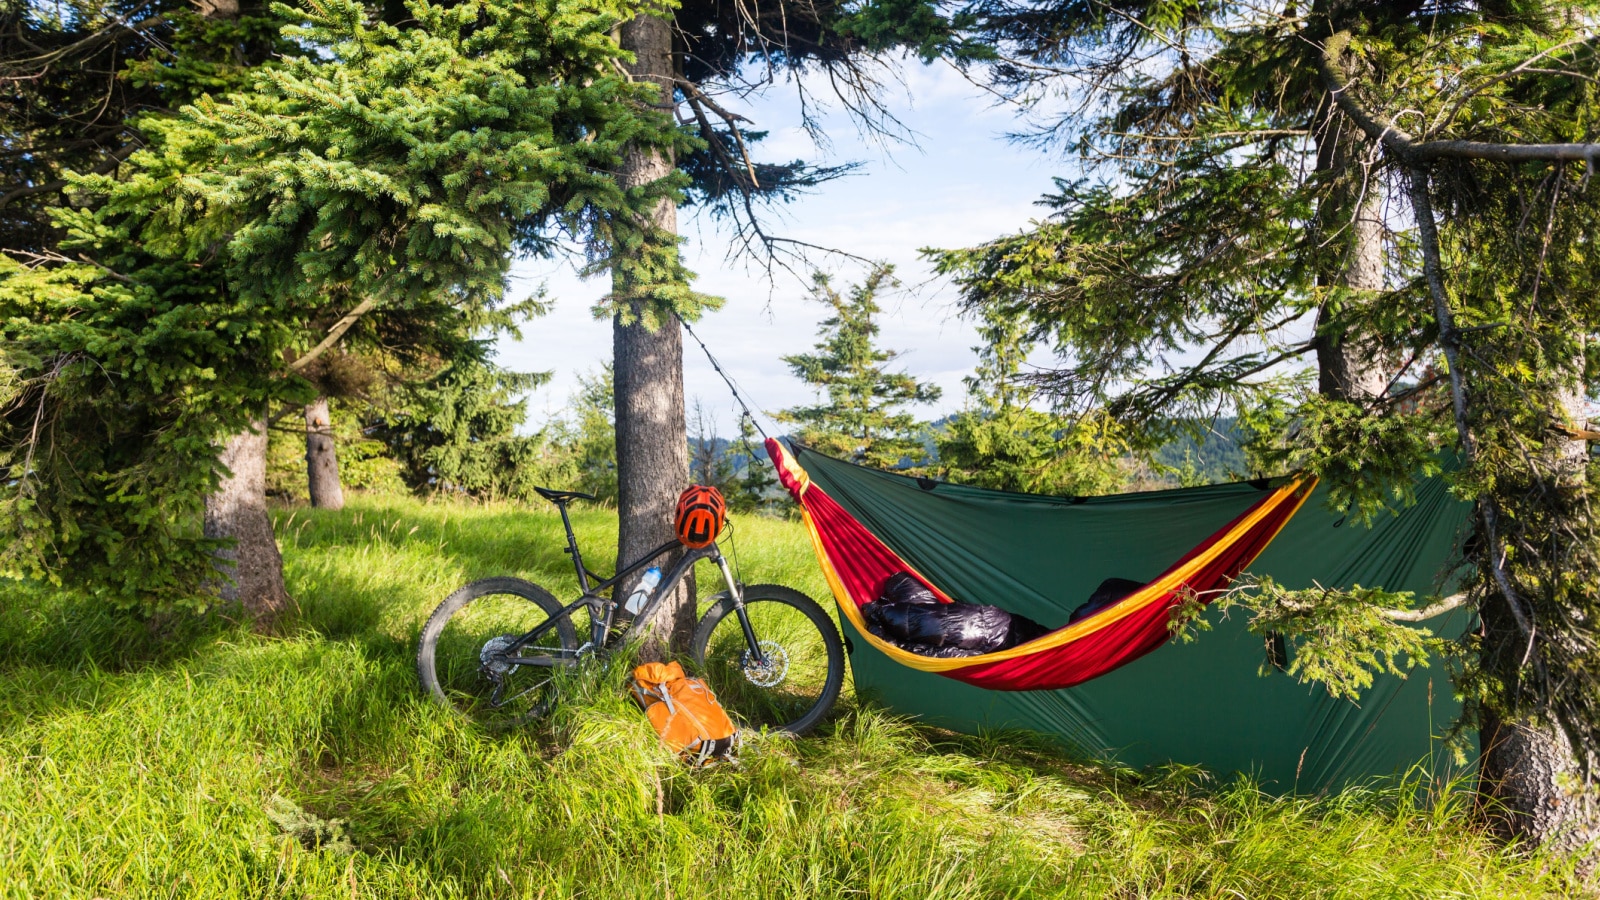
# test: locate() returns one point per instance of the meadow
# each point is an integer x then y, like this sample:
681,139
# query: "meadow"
190,757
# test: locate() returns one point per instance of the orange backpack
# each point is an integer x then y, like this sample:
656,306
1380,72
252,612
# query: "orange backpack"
684,712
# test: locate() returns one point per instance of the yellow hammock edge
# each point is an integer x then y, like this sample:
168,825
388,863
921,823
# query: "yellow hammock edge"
1296,491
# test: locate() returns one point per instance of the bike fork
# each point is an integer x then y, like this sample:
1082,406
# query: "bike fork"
737,594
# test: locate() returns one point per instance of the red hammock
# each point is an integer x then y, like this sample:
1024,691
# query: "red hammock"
856,564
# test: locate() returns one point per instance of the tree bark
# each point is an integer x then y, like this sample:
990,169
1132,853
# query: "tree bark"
1539,793
1349,367
252,568
1528,767
322,461
652,431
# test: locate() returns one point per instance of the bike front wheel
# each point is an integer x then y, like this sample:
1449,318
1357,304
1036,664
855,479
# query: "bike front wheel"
463,659
796,684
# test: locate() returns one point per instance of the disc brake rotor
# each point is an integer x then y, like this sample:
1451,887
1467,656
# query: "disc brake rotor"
768,674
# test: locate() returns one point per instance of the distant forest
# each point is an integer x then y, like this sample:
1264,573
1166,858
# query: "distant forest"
1217,456
1220,457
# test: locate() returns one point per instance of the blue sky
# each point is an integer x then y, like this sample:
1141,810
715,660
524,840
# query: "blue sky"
960,184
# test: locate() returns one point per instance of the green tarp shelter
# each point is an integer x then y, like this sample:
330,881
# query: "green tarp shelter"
1202,703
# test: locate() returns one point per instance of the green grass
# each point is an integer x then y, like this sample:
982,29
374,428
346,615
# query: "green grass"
195,759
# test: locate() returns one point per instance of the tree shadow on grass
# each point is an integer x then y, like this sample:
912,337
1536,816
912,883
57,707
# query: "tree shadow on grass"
414,785
44,626
62,652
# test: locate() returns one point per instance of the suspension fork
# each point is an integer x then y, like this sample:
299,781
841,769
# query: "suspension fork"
736,591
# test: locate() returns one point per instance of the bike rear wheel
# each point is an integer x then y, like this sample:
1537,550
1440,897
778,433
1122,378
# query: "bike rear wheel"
462,660
804,670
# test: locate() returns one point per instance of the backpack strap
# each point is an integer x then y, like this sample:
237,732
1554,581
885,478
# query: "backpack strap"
643,695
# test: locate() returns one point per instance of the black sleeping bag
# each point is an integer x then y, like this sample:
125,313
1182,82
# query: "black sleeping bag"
903,587
935,652
1023,630
949,629
966,625
909,616
1110,591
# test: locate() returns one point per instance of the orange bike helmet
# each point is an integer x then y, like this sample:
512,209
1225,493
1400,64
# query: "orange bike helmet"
701,514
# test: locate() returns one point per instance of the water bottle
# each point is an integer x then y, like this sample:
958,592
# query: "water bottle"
641,594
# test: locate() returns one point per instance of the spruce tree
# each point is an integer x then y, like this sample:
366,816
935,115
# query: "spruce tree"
1394,189
456,432
861,417
385,173
1000,440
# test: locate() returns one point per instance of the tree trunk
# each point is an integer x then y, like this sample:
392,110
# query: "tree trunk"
1539,793
1351,217
652,433
1534,788
1528,767
322,462
1349,367
252,568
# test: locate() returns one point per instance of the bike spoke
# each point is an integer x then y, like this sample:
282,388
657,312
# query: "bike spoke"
524,693
788,685
472,659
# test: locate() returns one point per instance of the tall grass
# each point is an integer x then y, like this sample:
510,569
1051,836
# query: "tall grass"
195,759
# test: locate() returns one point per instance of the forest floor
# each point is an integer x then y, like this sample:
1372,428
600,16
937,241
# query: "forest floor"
196,759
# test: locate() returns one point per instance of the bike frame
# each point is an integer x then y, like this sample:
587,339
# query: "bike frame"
603,611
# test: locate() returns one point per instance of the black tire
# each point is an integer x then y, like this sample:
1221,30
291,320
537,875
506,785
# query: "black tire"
456,670
808,650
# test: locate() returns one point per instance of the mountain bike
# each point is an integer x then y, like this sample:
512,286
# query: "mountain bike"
492,650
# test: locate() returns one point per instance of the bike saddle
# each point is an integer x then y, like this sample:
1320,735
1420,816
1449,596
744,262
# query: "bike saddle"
562,496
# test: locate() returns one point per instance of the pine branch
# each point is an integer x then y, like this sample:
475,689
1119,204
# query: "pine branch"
1413,151
334,333
108,164
1454,601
